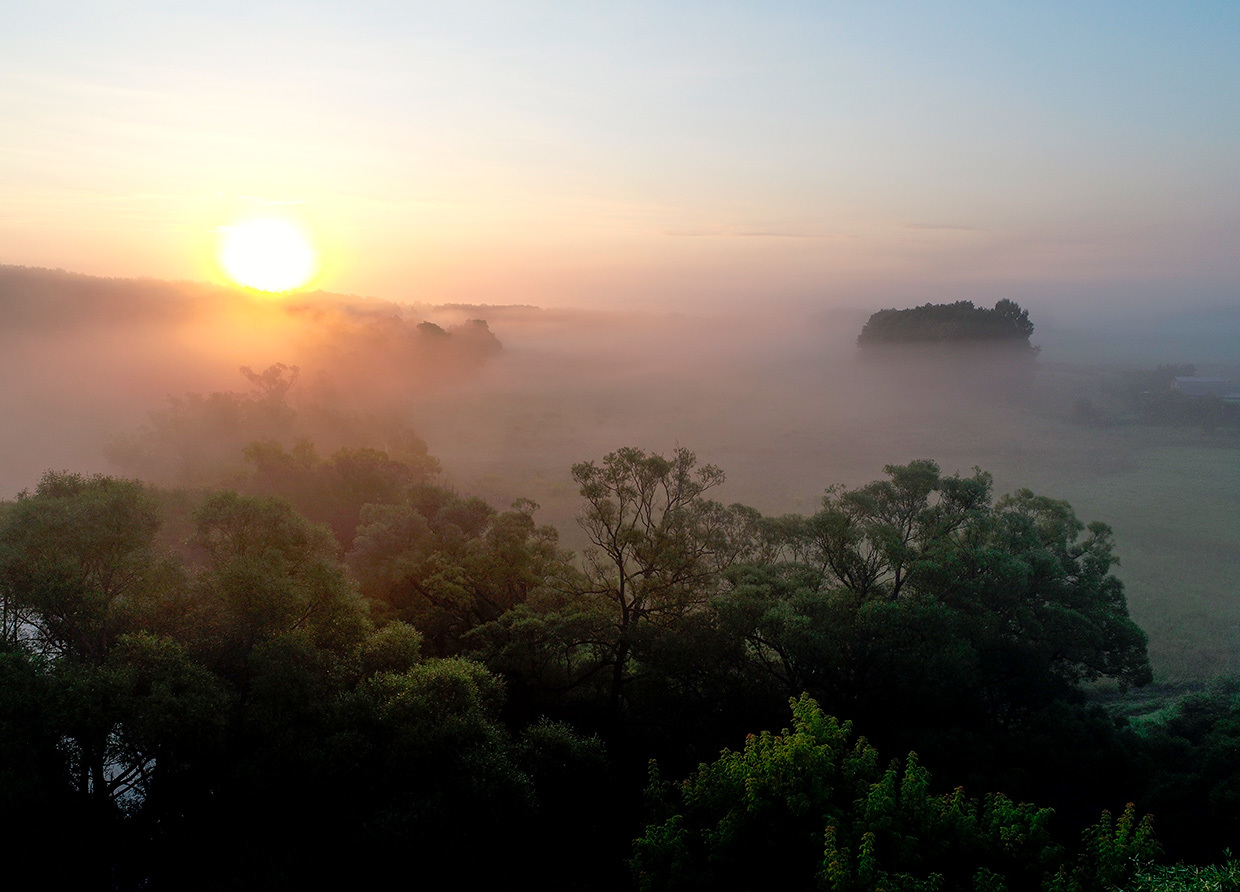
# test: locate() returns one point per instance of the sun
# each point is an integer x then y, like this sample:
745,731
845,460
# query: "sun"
267,254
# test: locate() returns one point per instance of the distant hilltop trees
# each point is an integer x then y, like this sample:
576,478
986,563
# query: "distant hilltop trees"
954,323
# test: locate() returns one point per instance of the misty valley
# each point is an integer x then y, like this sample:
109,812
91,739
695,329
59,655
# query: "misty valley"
330,590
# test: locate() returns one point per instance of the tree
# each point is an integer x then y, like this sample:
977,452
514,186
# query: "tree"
401,766
78,565
136,724
956,323
1034,597
944,621
1016,319
198,438
272,572
658,545
447,564
335,491
1191,773
813,807
106,717
865,538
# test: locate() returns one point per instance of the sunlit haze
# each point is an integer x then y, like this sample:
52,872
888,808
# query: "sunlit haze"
454,439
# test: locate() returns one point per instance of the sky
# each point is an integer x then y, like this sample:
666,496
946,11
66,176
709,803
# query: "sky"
675,154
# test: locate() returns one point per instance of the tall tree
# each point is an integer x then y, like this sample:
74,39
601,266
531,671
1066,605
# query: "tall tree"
77,563
658,545
944,620
271,572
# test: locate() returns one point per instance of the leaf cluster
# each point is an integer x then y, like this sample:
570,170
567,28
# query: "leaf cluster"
959,322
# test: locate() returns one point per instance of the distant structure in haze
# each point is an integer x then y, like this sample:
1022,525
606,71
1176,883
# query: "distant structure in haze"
958,323
1197,387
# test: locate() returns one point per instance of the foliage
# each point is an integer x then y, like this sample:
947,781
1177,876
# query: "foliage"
812,807
944,621
336,490
1191,771
263,699
136,725
246,705
198,438
442,713
272,572
206,440
448,564
1112,854
394,647
917,605
1034,602
658,544
1187,878
958,322
77,564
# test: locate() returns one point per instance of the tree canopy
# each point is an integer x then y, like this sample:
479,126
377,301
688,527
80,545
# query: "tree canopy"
813,807
955,323
456,678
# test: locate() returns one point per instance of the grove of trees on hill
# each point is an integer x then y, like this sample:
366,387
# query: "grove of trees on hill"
957,323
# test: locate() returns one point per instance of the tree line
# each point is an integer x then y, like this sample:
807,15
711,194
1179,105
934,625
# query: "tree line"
215,689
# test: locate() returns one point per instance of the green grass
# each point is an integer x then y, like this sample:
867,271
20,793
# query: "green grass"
1176,516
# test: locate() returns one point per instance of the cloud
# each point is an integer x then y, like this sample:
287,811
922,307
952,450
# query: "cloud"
741,232
952,227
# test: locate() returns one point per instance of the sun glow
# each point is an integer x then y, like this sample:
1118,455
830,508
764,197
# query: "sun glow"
267,254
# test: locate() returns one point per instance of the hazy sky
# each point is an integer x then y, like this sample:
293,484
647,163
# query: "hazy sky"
648,154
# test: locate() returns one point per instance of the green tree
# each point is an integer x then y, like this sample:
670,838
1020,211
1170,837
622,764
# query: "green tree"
107,718
1035,599
942,621
333,491
77,564
271,572
198,438
138,723
956,323
410,766
868,538
812,807
447,565
1112,853
1191,774
658,545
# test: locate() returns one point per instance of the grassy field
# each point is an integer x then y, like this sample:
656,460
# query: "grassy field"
1176,515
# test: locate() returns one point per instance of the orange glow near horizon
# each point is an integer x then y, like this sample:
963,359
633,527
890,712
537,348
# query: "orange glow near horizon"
267,254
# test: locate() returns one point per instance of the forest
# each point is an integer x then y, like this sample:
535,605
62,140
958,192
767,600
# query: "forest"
891,692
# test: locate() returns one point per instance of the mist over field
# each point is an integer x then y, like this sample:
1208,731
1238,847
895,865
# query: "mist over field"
117,376
786,406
